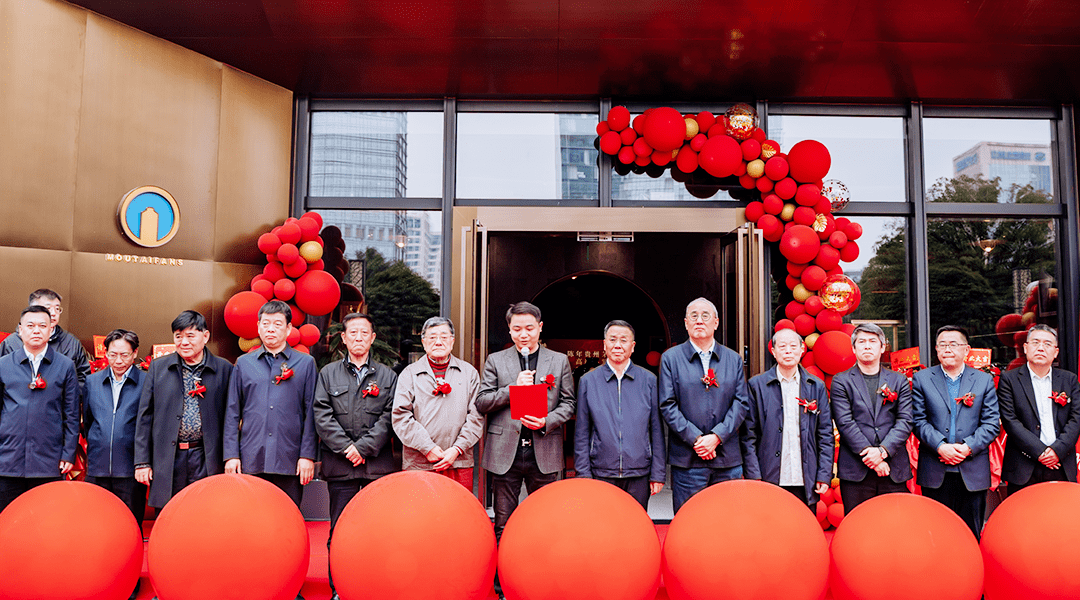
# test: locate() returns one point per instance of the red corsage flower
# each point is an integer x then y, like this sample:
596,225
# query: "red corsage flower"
286,373
199,390
887,394
98,364
710,380
967,399
371,390
1060,398
550,381
145,364
38,383
808,406
441,387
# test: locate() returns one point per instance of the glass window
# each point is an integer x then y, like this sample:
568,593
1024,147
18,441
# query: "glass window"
376,154
643,186
867,152
400,288
1012,155
527,156
981,270
881,273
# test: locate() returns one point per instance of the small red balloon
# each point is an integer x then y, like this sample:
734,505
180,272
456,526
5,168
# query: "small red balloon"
698,142
264,288
288,253
628,136
602,128
784,324
298,316
813,277
748,182
754,210
786,188
829,320
284,289
796,269
639,123
838,239
772,229
804,324
720,156
764,185
309,334
273,272
610,143
642,148
626,155
773,204
813,304
652,358
618,118
317,293
853,231
294,337
850,252
296,269
309,229
289,233
827,257
776,168
665,129
804,215
793,309
807,195
269,243
800,244
751,149
314,215
705,120
661,158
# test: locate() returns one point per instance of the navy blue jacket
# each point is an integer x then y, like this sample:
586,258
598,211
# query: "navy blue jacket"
269,426
110,435
976,425
618,431
763,431
852,410
691,409
38,428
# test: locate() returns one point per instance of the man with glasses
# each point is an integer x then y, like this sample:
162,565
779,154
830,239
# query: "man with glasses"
956,419
704,399
434,412
62,341
1040,411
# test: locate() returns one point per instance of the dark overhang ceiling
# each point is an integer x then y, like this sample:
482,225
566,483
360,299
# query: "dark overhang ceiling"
982,51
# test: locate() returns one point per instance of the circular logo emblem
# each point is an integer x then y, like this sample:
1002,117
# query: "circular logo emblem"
149,216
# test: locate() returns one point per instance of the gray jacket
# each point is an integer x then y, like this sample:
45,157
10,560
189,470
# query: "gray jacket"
345,415
424,419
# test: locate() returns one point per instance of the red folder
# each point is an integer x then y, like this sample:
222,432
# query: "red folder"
528,400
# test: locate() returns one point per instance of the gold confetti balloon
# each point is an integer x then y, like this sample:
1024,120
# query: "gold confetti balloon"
837,193
742,120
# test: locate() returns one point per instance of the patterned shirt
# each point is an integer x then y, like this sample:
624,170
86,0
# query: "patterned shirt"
191,418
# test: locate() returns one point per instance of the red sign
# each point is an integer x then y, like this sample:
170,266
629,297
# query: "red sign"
99,346
978,358
907,358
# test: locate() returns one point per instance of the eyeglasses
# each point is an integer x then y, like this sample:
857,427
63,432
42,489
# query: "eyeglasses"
120,355
950,346
704,316
443,337
1041,344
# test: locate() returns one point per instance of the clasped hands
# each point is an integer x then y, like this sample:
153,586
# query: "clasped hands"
705,446
443,459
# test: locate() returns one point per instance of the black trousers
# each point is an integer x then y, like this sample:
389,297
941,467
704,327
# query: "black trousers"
507,487
341,491
189,466
638,487
1040,474
854,493
130,492
969,506
12,487
290,484
800,493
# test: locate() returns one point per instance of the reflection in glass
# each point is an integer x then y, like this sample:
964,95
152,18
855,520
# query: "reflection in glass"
881,273
527,156
642,186
867,152
1012,154
376,154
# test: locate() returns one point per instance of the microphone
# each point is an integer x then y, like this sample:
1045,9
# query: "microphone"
525,355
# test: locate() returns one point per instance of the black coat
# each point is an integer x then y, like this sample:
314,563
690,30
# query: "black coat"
344,416
160,408
1020,418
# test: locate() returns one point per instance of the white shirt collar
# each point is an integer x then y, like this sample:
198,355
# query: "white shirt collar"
708,349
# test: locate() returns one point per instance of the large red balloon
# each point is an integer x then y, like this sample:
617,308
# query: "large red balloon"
384,539
833,352
720,156
618,118
70,540
774,549
665,129
1017,540
919,530
1007,326
800,244
317,293
229,537
597,538
241,314
809,161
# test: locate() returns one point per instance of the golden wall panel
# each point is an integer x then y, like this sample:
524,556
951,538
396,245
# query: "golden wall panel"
25,270
41,78
254,162
150,117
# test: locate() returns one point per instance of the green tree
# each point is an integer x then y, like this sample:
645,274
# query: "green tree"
399,301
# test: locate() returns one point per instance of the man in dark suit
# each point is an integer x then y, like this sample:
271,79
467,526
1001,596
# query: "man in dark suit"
872,409
181,413
956,420
1040,410
62,341
528,451
788,435
39,410
703,399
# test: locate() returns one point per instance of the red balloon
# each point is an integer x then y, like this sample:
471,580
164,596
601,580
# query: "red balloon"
848,329
776,168
827,257
289,233
773,534
853,231
236,520
315,216
698,142
71,540
284,289
773,204
294,337
626,155
804,324
317,293
813,277
642,148
618,118
652,358
813,304
628,136
829,320
638,123
754,210
264,288
808,361
602,128
833,352
764,185
661,158
718,129
602,545
296,269
288,253
791,282
241,314
1008,325
917,528
804,215
771,228
809,160
705,120
786,188
665,129
796,269
793,309
318,265
309,334
807,195
720,156
610,143
850,252
298,316
309,229
748,182
830,227
836,514
816,372
273,271
783,324
269,243
838,239
800,244
751,149
643,160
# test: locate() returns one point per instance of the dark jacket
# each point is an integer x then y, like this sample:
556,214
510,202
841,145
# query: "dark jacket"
1020,419
853,412
110,435
692,409
618,431
763,431
38,428
63,342
269,426
976,425
345,416
160,408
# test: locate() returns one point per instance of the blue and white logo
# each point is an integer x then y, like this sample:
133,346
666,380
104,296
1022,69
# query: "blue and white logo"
149,216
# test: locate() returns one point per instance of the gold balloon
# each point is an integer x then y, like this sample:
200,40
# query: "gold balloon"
692,128
812,339
755,168
838,293
311,251
801,293
741,121
246,344
788,212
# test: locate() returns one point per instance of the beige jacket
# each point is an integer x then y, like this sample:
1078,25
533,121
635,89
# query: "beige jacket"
423,419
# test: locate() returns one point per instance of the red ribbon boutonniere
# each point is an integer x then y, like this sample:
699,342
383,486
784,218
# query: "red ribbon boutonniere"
441,387
967,399
145,364
286,373
887,394
98,365
372,390
808,406
1059,398
550,381
710,380
38,383
199,390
